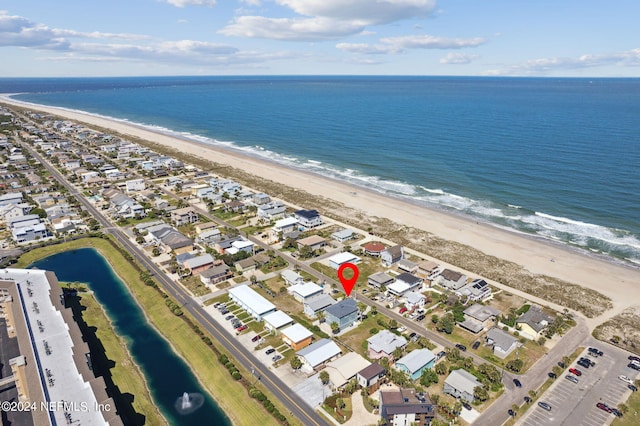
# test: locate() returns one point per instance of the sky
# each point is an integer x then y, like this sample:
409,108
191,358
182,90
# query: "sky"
86,38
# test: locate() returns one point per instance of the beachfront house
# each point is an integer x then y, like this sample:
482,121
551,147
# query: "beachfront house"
308,219
533,322
452,280
342,235
476,291
392,255
373,248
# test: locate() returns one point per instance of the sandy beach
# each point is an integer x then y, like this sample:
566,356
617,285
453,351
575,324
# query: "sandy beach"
617,281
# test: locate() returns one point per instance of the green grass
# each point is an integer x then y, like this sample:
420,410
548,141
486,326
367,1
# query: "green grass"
229,394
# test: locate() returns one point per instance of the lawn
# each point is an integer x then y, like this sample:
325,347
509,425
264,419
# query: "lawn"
356,339
229,394
195,285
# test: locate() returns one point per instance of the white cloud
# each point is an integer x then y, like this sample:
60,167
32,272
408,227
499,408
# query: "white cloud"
292,29
458,58
541,66
183,3
392,45
252,2
19,31
327,19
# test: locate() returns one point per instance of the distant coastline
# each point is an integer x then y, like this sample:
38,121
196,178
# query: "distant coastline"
536,255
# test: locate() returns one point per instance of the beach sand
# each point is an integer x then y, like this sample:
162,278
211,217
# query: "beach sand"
617,281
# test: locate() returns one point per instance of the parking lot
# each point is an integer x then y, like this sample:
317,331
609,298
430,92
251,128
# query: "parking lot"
575,403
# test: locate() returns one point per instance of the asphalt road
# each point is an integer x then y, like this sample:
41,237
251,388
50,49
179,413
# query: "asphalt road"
295,405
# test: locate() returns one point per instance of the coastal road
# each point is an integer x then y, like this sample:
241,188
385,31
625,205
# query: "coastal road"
297,408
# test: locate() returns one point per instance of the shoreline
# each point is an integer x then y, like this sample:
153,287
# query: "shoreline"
534,253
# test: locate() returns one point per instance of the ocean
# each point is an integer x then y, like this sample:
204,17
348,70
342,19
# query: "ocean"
558,158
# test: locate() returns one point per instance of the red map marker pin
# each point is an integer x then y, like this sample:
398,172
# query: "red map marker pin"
348,283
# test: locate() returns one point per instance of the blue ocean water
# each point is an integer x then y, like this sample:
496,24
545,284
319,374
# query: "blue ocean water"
556,158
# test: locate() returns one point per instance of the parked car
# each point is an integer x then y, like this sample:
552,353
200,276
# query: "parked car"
476,344
632,387
462,348
595,351
511,413
527,399
625,379
276,358
517,383
255,338
583,363
571,378
633,358
634,366
603,407
403,310
561,364
440,355
412,335
229,317
575,371
552,375
467,406
544,405
224,311
242,328
269,351
588,360
420,318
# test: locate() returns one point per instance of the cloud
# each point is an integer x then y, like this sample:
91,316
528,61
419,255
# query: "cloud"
393,45
291,29
19,31
628,58
458,58
326,19
183,3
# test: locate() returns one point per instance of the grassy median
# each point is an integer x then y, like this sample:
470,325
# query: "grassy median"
229,394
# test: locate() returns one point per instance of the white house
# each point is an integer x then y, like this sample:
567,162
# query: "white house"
255,305
303,291
337,260
135,185
276,320
308,219
414,300
452,280
318,353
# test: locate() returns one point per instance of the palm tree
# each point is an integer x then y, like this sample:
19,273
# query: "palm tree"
324,377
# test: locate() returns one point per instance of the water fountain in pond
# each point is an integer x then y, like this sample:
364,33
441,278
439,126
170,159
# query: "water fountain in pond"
188,403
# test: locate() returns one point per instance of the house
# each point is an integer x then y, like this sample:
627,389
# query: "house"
283,226
260,198
476,291
314,242
384,343
276,320
308,219
342,235
415,362
339,259
406,265
296,336
240,245
170,238
451,280
25,234
10,198
316,304
404,282
318,353
373,248
216,274
291,277
345,368
303,291
533,322
371,377
271,211
184,216
392,255
479,317
460,384
199,264
206,226
503,343
380,279
255,305
12,211
135,185
245,265
414,300
344,313
406,407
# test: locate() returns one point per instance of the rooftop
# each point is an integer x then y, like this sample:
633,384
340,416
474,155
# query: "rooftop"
343,308
253,300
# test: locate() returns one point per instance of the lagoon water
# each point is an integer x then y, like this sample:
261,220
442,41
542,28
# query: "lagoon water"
558,158
167,375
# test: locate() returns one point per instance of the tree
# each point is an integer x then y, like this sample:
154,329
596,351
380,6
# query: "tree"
532,393
623,408
441,368
434,318
393,324
556,370
295,363
373,311
397,353
40,212
340,403
515,408
428,377
335,327
468,363
435,398
515,365
446,323
324,377
453,354
542,341
480,393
